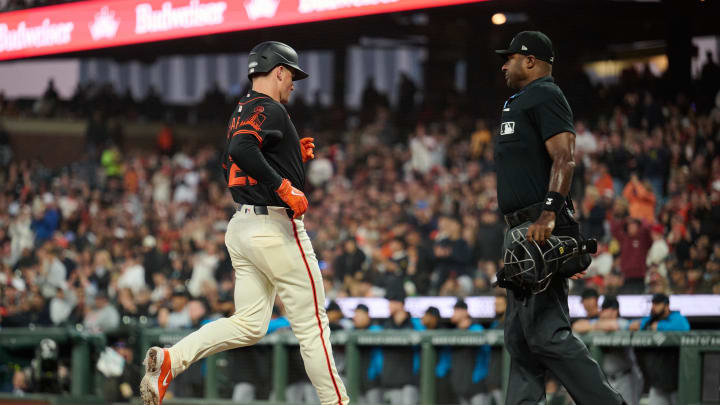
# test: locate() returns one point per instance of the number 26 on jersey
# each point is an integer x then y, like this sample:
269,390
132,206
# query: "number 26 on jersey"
237,178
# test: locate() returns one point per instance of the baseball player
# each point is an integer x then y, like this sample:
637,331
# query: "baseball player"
535,163
266,238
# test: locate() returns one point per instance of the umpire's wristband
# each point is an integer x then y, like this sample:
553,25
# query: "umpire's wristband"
554,201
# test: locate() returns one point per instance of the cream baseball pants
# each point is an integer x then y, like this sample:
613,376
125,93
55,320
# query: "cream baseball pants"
271,254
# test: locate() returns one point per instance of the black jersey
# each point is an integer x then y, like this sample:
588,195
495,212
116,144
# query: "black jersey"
258,121
529,118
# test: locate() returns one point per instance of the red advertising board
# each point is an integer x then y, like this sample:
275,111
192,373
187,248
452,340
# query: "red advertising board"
101,24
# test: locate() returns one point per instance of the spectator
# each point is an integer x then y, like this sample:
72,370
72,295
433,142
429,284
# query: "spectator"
178,315
589,299
46,373
250,371
111,160
53,273
336,319
132,274
349,262
122,376
320,170
490,233
480,139
401,367
452,260
153,261
205,263
617,159
494,377
61,306
468,377
654,161
660,366
431,319
420,262
641,200
634,239
371,359
614,282
46,218
619,364
103,316
585,143
603,180
422,146
659,250
443,389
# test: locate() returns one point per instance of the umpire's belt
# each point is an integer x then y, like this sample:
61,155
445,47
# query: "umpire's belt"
523,215
262,209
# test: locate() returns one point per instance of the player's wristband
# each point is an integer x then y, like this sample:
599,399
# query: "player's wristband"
554,201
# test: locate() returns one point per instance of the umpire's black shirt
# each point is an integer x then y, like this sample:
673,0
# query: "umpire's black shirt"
529,118
260,126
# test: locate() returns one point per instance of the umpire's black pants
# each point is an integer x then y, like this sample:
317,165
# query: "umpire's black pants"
539,338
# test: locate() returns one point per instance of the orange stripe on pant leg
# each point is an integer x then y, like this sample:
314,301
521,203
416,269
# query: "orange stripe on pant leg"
317,312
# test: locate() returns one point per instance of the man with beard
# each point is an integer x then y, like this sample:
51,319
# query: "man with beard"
534,157
660,366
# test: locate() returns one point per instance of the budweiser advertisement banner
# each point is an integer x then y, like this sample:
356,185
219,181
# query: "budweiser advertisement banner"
101,24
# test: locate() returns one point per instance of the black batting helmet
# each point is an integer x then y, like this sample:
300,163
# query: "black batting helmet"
265,56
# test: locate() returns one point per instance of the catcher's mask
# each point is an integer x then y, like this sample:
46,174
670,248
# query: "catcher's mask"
530,266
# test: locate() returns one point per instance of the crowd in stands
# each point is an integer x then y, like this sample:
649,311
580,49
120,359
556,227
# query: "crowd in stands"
400,205
139,233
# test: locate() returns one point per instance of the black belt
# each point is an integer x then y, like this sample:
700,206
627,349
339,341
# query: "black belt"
263,210
523,215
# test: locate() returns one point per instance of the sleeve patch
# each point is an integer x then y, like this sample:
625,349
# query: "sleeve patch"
255,120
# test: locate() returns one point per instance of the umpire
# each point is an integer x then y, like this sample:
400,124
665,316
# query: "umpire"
535,163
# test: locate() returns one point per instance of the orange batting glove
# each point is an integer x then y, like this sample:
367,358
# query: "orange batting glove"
306,148
293,197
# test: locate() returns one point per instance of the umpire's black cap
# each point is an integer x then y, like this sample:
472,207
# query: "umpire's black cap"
265,56
531,43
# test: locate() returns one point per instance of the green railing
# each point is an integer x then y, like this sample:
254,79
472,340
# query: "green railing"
691,345
82,343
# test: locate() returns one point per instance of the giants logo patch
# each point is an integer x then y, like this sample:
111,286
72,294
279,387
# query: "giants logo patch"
507,128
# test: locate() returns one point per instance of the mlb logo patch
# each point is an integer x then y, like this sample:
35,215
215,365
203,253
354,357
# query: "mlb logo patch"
507,128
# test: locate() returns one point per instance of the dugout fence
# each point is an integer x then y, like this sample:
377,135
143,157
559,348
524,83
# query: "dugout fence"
698,351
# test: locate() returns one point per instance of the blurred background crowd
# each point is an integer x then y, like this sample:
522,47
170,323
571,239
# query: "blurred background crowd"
402,203
113,206
397,195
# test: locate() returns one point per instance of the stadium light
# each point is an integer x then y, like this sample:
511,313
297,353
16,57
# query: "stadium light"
498,19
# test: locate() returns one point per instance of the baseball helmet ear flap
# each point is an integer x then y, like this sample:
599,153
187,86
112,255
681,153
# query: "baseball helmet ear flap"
265,56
